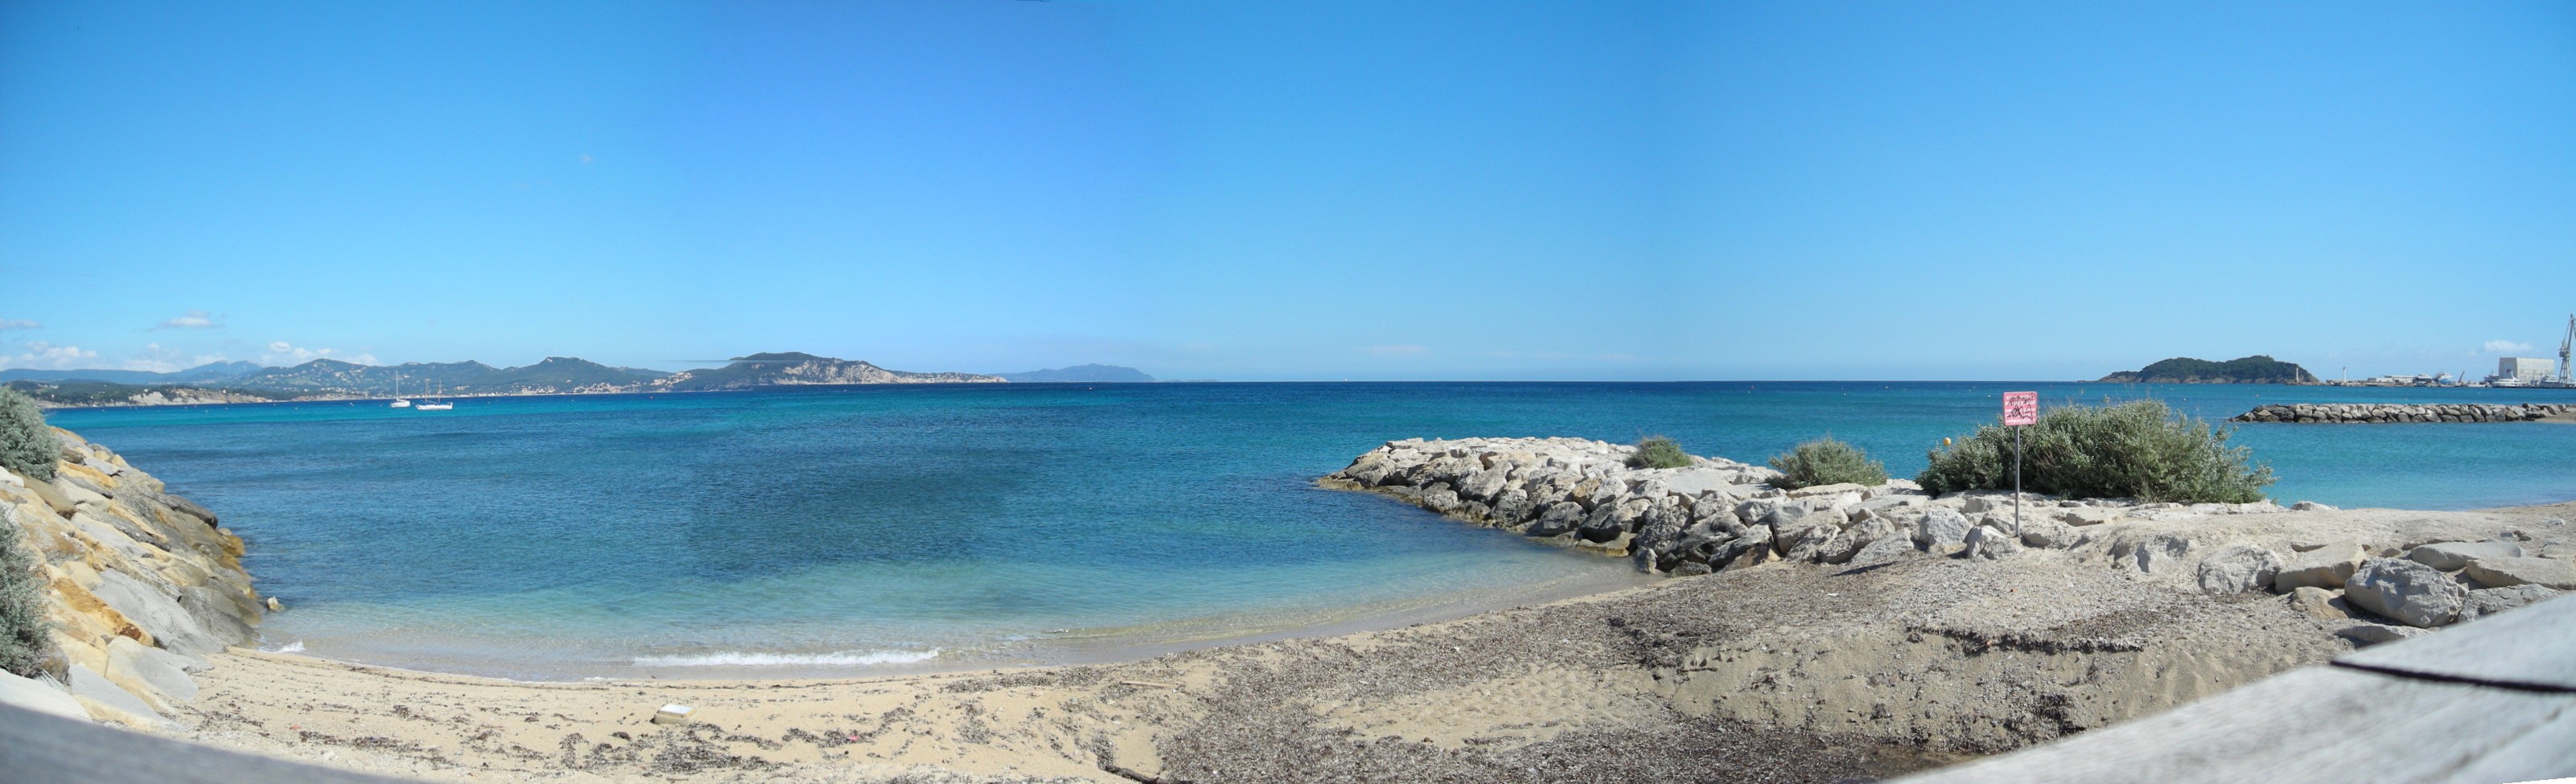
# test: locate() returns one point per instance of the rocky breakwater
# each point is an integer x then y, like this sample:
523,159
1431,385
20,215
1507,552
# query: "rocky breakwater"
1718,514
2373,413
141,586
2372,575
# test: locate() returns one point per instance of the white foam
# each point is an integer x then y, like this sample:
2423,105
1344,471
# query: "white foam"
743,659
292,647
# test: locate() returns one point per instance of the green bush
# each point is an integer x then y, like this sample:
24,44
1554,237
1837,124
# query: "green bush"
27,447
1658,452
2138,450
24,640
1826,461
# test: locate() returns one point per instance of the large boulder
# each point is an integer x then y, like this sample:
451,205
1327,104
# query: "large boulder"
1559,519
2503,572
1941,530
1990,543
2454,556
2239,568
1886,549
2154,553
2406,591
2324,567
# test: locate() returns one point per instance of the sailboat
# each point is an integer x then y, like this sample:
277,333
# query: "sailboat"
399,400
433,404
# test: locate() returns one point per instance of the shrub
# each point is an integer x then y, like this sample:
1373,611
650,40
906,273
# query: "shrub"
27,447
2136,450
1658,452
1826,461
25,641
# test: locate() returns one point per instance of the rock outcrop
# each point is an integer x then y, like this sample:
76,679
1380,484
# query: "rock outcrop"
1716,514
144,584
2392,577
2374,413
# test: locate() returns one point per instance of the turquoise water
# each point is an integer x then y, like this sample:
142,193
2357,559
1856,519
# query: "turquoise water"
878,528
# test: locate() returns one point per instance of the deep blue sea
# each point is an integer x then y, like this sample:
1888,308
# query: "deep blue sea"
882,528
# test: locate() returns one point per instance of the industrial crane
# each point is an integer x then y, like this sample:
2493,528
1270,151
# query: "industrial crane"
2563,345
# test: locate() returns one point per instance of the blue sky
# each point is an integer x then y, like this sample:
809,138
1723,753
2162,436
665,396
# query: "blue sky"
1293,191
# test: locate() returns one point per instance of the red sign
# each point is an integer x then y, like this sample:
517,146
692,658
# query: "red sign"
2021,408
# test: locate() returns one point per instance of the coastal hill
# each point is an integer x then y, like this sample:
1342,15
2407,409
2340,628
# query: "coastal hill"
212,372
553,375
332,379
1082,374
2257,369
795,368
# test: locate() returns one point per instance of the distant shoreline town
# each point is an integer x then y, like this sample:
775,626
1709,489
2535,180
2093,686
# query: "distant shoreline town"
331,379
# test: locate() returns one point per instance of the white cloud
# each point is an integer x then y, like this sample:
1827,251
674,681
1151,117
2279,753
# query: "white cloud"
10,323
2507,347
47,356
284,353
1398,350
163,359
194,319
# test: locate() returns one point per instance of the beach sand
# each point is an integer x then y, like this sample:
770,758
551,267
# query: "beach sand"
1781,672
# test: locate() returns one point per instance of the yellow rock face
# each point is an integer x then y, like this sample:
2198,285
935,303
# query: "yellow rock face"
101,517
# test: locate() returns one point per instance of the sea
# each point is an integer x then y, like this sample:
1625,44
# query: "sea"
889,529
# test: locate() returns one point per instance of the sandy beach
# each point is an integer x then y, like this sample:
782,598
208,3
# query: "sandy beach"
1782,672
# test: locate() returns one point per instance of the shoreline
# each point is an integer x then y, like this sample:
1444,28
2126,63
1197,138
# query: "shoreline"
1337,622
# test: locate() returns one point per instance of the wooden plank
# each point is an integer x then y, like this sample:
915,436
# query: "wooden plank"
37,748
2530,647
2316,724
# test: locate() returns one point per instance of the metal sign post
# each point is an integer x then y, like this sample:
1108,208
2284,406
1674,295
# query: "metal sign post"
2020,409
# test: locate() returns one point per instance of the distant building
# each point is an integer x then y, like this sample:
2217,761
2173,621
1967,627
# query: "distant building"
2524,369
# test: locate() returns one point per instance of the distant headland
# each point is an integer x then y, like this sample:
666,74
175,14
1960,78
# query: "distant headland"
2257,369
331,379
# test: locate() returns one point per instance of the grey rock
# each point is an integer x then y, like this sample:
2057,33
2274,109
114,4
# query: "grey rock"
158,614
1885,550
39,696
130,663
2154,553
2051,533
2087,516
2367,634
2311,506
105,700
2454,556
1990,543
2489,601
1940,530
1559,519
2503,572
1820,544
1481,485
2238,568
2326,566
2406,591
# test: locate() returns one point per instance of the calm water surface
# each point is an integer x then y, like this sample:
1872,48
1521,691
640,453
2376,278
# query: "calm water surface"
882,528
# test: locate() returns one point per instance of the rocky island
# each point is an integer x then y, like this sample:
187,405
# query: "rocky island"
2257,369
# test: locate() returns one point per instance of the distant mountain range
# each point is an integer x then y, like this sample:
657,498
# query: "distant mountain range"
1083,374
2257,369
324,379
